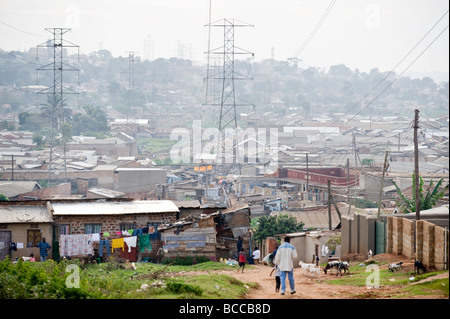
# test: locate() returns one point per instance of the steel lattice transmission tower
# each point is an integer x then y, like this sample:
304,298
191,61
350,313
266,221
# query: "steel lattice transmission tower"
57,91
226,98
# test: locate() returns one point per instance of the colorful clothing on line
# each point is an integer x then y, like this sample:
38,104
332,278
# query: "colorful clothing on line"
131,242
117,243
102,243
74,245
145,243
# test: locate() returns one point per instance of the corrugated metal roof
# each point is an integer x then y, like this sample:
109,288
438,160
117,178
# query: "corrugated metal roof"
114,208
24,214
187,204
110,193
14,188
317,219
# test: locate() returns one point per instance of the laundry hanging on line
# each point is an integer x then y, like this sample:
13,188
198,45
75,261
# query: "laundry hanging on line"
73,245
130,241
145,243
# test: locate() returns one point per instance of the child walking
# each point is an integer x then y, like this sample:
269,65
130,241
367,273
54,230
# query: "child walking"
277,277
241,259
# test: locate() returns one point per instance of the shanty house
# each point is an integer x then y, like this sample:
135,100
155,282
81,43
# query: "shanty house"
22,226
190,236
110,218
231,224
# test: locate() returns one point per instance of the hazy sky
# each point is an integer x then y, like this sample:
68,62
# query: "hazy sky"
360,34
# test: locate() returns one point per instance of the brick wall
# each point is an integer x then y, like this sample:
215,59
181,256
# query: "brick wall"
431,241
441,249
61,189
111,224
407,237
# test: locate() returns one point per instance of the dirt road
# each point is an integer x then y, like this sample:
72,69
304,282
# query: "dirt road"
309,286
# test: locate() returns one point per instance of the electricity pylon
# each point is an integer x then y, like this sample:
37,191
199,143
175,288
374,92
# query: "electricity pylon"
226,98
58,90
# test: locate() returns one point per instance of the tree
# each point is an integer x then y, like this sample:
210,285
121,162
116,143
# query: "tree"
38,139
95,120
3,198
427,200
268,226
367,162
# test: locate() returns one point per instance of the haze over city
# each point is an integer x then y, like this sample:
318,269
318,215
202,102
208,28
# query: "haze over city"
360,34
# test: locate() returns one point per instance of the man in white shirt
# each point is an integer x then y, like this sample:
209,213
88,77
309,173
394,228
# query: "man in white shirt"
284,258
255,255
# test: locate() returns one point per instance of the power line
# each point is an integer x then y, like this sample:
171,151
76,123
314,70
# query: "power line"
311,35
390,84
390,72
25,32
19,58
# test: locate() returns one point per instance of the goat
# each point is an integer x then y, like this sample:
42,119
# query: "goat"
305,266
344,265
315,269
330,265
394,267
419,266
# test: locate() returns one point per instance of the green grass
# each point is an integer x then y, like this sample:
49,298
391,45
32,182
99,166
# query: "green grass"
48,280
432,287
153,145
359,277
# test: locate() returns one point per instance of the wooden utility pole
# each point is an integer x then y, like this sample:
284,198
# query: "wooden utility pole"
382,185
331,200
307,176
416,164
329,205
348,180
354,148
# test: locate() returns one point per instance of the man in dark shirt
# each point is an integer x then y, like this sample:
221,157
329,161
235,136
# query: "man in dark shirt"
43,249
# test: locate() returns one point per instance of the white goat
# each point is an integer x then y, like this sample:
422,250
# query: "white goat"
305,266
394,267
314,270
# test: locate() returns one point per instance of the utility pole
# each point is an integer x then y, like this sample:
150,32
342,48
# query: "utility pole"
354,149
348,180
307,176
58,90
382,184
416,164
12,167
131,60
329,205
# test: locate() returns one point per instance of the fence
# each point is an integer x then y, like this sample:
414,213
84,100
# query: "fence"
399,235
419,239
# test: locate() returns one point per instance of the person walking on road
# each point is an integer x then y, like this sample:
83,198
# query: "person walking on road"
241,260
284,258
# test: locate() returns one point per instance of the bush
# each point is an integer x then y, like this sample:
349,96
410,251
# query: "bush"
27,280
185,261
177,287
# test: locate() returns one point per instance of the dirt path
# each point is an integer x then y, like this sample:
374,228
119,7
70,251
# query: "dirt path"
309,286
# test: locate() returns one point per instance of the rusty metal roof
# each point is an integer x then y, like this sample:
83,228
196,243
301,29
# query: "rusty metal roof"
113,208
